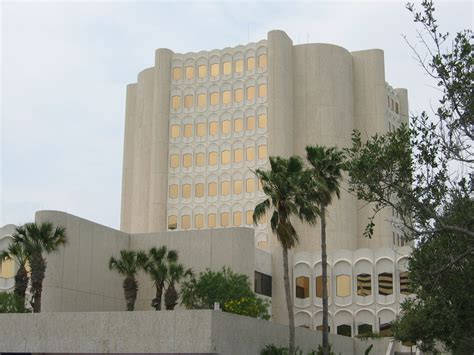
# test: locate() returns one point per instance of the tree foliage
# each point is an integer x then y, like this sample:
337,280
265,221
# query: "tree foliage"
11,303
230,289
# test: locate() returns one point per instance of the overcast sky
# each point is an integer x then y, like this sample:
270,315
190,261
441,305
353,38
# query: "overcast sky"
65,66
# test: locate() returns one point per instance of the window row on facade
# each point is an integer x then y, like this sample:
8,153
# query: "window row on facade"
214,157
392,105
237,96
200,190
213,128
200,220
218,68
362,286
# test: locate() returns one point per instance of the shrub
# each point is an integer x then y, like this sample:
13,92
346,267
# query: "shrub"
11,303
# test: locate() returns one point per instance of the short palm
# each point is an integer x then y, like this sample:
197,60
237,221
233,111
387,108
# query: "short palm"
128,265
16,251
176,273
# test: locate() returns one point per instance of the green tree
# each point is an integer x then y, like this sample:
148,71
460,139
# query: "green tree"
12,303
176,273
229,289
425,173
128,265
16,251
157,265
326,171
284,185
38,240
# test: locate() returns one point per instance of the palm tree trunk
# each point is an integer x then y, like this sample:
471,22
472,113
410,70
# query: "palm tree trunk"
289,303
171,297
38,271
324,265
130,289
21,282
156,302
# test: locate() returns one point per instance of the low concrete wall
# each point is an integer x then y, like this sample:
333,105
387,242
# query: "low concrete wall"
200,331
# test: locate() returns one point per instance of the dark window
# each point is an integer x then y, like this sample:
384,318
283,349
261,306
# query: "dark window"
364,329
405,283
263,284
345,330
386,329
320,327
364,285
385,284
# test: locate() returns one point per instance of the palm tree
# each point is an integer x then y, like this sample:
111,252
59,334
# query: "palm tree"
16,251
176,273
157,267
128,265
285,197
326,168
38,239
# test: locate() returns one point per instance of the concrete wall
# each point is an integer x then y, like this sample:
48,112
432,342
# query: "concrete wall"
166,331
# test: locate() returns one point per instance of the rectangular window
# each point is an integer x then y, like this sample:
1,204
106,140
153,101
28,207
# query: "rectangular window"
174,131
225,157
262,90
224,219
214,98
186,191
211,220
225,188
212,189
199,190
249,217
173,191
238,95
202,100
226,97
396,107
250,123
199,221
201,129
238,153
185,221
214,69
262,121
187,160
188,130
237,187
250,153
202,71
213,127
385,283
189,72
172,222
200,159
262,61
262,151
250,93
239,66
251,63
175,102
212,158
174,160
263,284
237,218
238,125
319,286
225,129
250,185
188,101
227,68
364,286
176,73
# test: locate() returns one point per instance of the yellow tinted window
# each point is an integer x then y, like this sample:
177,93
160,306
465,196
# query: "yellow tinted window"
186,191
238,95
225,157
226,97
250,153
200,159
225,127
262,151
174,131
262,61
174,160
251,63
224,219
262,121
250,185
214,69
302,287
211,220
250,123
227,68
172,222
202,71
213,127
251,93
202,100
199,190
214,98
212,158
212,189
185,221
238,153
176,73
262,90
319,286
239,66
189,71
7,268
188,101
343,285
225,188
238,125
201,129
249,217
237,218
199,221
175,101
173,191
188,130
187,160
237,187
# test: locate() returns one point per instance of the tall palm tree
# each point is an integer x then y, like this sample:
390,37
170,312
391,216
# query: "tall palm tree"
176,273
285,198
128,265
326,170
157,267
16,251
39,239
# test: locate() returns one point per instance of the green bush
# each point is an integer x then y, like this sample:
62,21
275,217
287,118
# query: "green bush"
11,303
